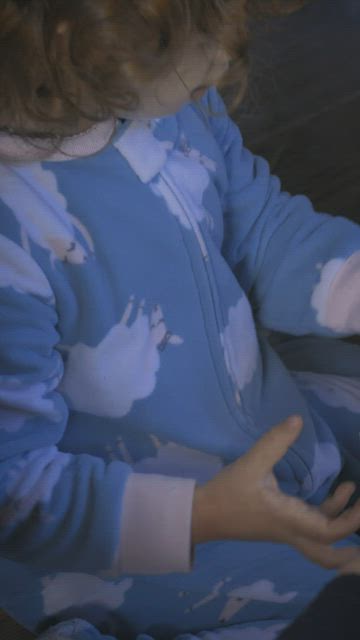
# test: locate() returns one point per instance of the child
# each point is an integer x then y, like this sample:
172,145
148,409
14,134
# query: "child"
143,262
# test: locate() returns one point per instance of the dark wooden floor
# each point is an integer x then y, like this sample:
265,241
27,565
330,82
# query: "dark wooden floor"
10,630
303,108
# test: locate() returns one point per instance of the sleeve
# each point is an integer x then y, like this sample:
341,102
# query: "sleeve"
60,511
333,615
299,268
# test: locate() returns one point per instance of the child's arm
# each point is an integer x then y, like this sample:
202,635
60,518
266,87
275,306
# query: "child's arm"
300,269
77,513
58,511
245,502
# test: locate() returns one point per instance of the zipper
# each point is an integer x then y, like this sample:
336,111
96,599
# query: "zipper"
207,266
238,411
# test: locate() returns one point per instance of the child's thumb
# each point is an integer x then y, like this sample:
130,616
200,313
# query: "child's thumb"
272,447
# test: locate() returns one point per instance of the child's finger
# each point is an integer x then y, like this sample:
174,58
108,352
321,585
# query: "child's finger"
345,524
351,567
336,503
308,522
272,447
327,556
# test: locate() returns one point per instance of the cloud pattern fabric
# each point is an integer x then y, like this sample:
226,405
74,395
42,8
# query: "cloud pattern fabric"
137,289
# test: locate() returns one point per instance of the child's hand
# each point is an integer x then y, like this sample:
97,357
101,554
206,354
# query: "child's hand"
244,502
351,567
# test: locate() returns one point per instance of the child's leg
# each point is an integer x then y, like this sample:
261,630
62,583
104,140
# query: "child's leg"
337,400
232,583
268,630
259,631
328,373
318,355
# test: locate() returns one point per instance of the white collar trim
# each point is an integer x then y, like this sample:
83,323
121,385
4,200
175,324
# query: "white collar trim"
14,149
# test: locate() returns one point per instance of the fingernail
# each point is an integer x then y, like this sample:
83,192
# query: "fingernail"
294,421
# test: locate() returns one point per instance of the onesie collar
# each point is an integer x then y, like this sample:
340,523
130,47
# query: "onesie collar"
15,150
144,144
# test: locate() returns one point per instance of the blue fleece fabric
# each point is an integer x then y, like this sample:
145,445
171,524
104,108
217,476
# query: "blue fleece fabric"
139,287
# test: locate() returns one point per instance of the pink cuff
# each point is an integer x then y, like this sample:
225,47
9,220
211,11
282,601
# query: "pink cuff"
156,525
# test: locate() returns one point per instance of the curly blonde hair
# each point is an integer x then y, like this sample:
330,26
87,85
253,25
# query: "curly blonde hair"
49,82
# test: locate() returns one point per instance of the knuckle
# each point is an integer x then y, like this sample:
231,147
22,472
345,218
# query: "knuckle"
329,564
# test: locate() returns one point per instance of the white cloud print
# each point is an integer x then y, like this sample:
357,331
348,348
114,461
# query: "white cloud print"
240,345
107,379
336,298
263,590
169,459
241,597
42,213
173,459
20,271
66,590
193,172
19,402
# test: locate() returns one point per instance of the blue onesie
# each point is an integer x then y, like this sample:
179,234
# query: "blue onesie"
163,304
